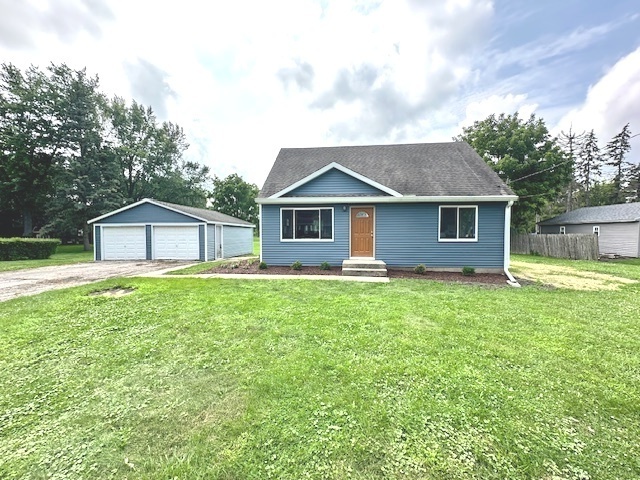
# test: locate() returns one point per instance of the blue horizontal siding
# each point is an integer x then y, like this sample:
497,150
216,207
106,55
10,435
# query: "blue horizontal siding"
201,250
334,182
405,235
149,213
211,242
275,252
97,242
237,241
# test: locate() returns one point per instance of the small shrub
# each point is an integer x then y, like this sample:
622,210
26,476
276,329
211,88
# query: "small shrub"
421,269
325,266
468,271
297,265
263,266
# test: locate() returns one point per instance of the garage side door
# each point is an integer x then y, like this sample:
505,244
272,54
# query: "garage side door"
124,243
176,243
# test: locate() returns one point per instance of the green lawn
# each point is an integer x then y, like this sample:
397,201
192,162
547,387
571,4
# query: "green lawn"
65,254
239,379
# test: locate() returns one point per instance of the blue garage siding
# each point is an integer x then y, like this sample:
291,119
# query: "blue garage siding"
335,182
149,241
237,241
148,213
97,242
406,235
211,242
201,251
275,252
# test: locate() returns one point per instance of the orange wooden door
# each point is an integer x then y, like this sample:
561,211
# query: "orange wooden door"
362,232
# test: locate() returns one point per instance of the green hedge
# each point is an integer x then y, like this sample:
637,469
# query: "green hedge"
27,248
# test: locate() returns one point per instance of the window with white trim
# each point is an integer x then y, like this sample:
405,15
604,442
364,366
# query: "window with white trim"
306,224
563,230
596,230
458,224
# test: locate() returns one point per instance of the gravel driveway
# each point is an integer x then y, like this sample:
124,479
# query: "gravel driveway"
19,283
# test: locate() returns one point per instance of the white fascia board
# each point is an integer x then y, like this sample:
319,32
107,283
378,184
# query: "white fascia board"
175,210
140,202
366,200
337,166
106,215
212,222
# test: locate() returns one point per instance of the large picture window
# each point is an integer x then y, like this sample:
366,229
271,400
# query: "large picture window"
306,223
458,224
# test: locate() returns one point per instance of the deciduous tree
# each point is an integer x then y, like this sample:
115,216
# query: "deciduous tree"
235,197
525,155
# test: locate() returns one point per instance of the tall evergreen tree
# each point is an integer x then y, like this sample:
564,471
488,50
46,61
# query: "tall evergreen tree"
88,184
633,184
589,165
570,143
30,141
615,152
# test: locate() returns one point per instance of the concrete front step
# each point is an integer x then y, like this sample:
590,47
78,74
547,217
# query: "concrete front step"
364,268
364,272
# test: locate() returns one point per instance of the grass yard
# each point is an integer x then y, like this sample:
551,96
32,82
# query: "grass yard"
65,254
240,379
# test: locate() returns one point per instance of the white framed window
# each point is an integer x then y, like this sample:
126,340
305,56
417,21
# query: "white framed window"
458,223
596,230
306,224
563,230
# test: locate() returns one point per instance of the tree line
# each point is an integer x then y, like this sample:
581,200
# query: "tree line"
68,153
552,175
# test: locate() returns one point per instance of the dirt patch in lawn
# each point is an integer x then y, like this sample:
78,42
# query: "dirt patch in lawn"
568,277
252,266
113,292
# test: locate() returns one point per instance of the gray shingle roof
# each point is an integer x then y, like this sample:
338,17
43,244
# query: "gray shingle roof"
209,215
625,212
422,169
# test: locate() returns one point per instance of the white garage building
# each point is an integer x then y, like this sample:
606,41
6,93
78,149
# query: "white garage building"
155,230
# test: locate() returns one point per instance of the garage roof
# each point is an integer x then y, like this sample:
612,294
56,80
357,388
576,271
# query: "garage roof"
208,216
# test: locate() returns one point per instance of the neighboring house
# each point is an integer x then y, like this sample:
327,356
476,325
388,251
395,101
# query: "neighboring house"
435,204
617,227
155,230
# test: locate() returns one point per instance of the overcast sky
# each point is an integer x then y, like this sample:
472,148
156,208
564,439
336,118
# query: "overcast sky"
246,78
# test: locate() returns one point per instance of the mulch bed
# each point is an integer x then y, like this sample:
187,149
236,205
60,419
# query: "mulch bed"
251,266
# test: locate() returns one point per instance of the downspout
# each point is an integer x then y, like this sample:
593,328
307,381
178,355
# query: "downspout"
260,227
507,245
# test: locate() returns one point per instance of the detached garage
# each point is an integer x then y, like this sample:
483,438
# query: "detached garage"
155,230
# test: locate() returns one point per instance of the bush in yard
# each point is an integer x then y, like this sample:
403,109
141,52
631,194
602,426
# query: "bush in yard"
262,266
27,248
468,271
297,265
421,269
325,266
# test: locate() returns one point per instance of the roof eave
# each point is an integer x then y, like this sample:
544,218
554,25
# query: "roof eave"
386,199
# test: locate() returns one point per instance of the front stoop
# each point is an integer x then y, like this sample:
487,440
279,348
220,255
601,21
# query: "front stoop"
364,268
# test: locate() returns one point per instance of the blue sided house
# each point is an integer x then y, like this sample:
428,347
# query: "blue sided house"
155,230
436,204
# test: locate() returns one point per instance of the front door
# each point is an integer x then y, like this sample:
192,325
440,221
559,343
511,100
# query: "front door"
362,232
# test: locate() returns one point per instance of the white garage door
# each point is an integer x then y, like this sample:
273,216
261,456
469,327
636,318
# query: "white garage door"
176,243
124,243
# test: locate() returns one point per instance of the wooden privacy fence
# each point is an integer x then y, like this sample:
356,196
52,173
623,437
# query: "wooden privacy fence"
575,247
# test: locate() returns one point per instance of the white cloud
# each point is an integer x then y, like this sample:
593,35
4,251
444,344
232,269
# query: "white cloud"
496,104
611,103
246,78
